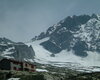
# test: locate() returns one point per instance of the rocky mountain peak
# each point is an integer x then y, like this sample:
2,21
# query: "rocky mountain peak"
78,33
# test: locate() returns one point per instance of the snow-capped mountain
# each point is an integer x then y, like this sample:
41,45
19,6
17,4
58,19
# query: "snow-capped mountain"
73,42
77,33
75,39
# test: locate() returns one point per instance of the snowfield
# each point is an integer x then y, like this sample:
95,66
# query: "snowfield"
65,58
41,70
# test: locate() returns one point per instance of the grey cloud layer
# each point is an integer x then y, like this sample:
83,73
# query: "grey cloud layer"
20,20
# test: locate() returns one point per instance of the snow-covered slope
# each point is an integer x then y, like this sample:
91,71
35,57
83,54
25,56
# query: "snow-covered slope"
65,58
73,42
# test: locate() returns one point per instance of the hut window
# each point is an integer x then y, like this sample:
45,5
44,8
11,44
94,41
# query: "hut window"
32,66
26,65
15,68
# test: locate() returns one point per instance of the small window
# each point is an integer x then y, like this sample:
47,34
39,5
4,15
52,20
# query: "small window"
26,65
15,68
19,69
32,66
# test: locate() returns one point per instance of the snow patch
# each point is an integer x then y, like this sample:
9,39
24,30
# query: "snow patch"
41,70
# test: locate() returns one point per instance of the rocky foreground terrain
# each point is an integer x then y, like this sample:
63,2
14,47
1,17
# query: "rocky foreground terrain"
69,75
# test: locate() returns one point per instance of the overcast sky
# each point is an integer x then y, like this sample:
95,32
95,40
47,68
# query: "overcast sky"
21,20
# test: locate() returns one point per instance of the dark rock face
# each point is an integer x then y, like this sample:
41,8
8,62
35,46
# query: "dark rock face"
23,52
80,48
77,33
71,23
5,41
18,51
51,47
